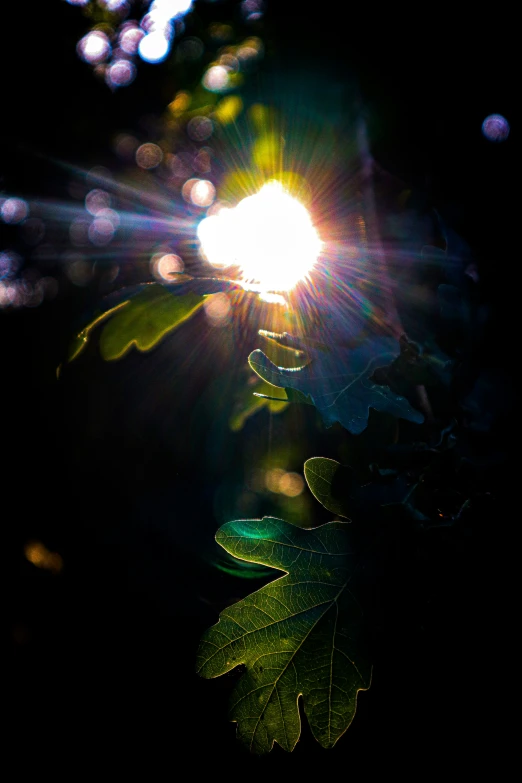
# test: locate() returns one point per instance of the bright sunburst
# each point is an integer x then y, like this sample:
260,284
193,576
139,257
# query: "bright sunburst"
269,236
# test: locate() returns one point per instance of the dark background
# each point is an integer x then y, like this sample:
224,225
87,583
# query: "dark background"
104,467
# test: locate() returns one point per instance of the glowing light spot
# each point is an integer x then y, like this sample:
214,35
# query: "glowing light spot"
202,161
495,128
94,47
186,190
109,214
96,200
130,39
230,62
181,165
120,73
252,9
217,206
200,128
270,236
101,231
273,479
250,50
14,210
271,298
38,554
228,109
164,266
266,151
291,485
202,193
78,2
7,294
216,78
154,47
217,309
148,156
171,8
115,5
180,103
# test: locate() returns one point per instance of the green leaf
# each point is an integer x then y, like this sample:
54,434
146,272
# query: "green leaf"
148,317
252,397
329,482
340,383
82,338
151,312
298,636
345,491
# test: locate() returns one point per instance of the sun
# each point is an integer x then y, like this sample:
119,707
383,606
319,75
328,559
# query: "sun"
269,236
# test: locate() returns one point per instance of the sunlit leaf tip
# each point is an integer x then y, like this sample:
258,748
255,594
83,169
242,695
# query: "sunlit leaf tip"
329,483
82,338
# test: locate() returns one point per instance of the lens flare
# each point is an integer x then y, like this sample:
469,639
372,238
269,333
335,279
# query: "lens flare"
269,235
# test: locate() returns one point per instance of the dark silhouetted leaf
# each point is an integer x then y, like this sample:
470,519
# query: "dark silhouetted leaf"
453,305
404,512
297,636
416,365
340,384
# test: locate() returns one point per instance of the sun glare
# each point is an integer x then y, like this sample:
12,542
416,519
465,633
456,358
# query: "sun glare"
269,235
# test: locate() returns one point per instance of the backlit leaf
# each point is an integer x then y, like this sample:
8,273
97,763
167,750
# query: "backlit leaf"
298,636
146,313
251,398
329,482
145,320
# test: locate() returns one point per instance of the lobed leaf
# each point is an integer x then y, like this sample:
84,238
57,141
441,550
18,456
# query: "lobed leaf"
341,385
298,636
147,314
146,320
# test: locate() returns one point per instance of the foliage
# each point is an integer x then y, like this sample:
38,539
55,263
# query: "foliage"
339,383
298,636
147,314
250,399
407,466
406,473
